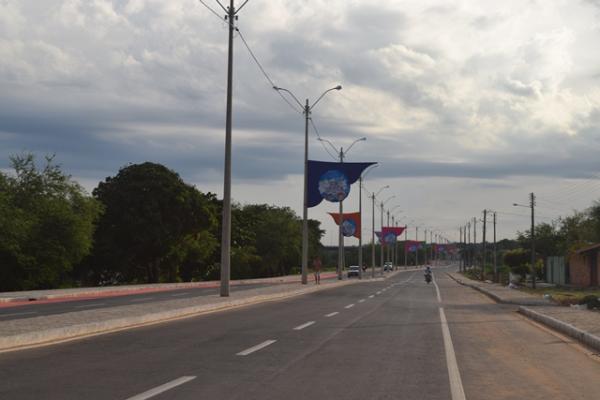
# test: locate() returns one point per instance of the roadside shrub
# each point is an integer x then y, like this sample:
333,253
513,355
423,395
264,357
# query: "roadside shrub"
592,302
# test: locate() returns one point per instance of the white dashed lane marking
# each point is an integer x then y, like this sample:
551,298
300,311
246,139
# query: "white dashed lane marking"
306,325
332,314
162,388
256,348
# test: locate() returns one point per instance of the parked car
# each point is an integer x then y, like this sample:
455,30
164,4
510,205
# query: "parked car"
353,270
387,266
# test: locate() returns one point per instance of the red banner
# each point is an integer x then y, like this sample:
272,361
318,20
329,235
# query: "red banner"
350,225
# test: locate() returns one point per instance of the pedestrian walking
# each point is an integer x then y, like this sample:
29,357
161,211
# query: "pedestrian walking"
317,270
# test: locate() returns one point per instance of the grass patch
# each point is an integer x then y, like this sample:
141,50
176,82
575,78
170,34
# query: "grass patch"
564,295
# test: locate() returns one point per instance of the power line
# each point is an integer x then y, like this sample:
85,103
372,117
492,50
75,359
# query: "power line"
264,72
249,50
316,131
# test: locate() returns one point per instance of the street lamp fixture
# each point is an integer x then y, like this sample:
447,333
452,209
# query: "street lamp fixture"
307,109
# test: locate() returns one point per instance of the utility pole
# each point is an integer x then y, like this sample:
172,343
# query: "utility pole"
405,243
226,218
387,245
340,231
373,238
460,238
433,254
469,252
484,255
360,249
417,247
425,248
533,271
474,242
495,264
381,240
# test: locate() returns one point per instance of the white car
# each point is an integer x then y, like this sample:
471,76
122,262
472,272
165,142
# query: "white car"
353,270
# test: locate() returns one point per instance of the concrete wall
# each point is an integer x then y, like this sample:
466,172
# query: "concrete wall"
579,266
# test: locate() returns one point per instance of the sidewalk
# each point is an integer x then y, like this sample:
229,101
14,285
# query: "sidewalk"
23,333
580,324
36,295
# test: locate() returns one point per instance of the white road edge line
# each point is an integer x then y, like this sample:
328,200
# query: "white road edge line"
437,289
256,348
162,388
349,306
18,313
180,294
456,387
306,325
332,314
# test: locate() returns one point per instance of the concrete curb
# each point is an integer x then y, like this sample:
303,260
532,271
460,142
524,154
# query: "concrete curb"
132,289
79,331
582,336
498,299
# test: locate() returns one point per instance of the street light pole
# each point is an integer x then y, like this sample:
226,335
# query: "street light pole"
306,110
495,262
341,254
533,271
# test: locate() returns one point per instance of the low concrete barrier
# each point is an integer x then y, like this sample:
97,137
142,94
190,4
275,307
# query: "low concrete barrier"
582,336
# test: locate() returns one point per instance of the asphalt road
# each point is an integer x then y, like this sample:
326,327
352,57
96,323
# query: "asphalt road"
376,340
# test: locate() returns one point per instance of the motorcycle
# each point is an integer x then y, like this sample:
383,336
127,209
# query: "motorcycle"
428,278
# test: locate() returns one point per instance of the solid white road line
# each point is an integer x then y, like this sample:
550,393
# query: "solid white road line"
306,325
437,289
456,387
180,294
361,301
143,299
162,388
349,306
18,313
90,305
256,348
332,314
371,296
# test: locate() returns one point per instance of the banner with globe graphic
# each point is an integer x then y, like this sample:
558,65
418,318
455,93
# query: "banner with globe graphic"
331,180
350,225
412,245
391,233
388,239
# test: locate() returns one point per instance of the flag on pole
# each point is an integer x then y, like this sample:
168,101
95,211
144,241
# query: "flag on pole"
391,233
350,223
412,245
332,180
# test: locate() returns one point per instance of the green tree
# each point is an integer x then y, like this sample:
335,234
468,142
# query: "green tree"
47,221
153,223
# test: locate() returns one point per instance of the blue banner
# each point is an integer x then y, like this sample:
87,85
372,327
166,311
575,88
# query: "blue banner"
331,180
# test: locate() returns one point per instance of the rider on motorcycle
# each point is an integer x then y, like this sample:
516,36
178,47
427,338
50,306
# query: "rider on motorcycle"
428,274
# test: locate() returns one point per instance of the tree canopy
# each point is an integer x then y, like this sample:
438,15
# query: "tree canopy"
47,221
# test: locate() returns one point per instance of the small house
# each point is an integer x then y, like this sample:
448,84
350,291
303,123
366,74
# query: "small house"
584,265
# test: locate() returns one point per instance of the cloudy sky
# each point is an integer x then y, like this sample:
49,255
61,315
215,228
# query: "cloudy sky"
466,104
